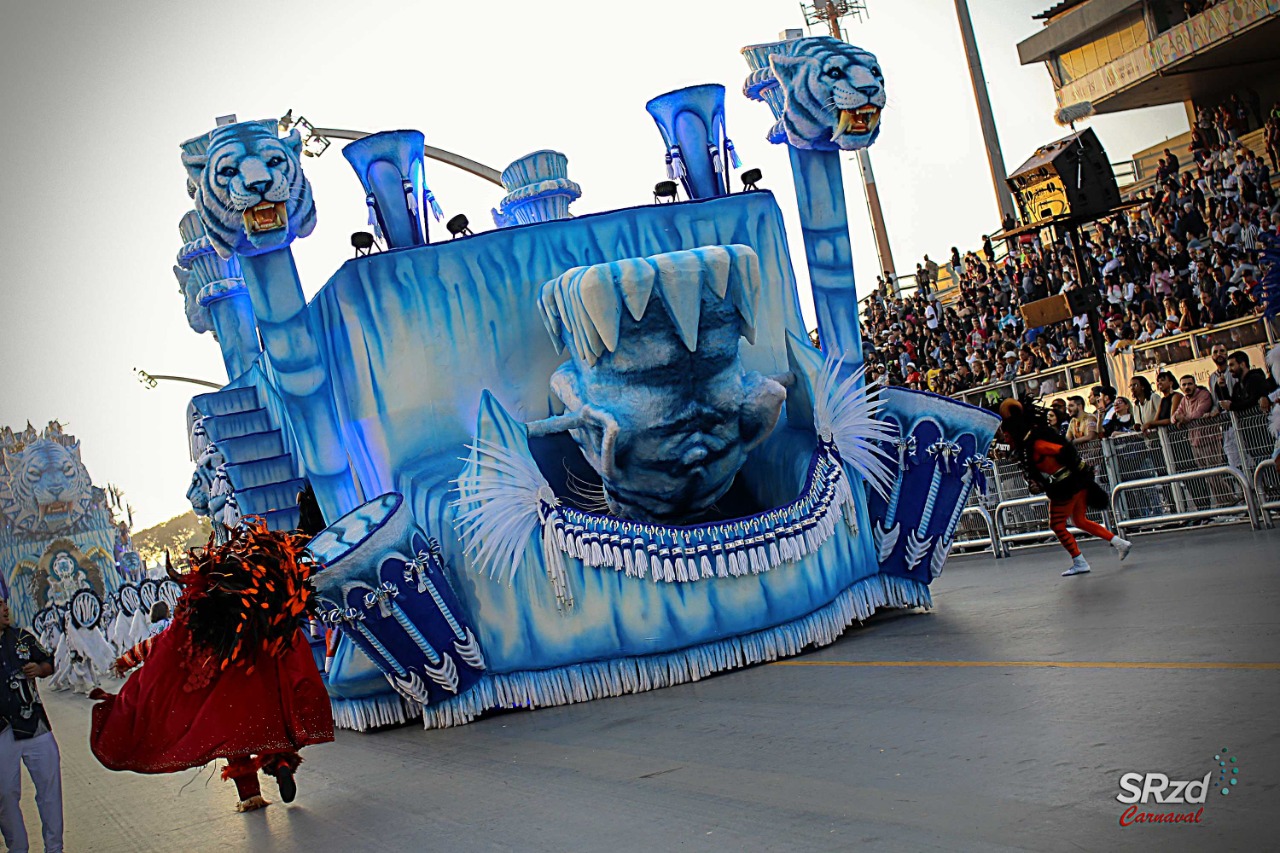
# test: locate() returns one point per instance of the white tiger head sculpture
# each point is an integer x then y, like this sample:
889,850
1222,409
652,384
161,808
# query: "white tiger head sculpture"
251,193
834,93
45,488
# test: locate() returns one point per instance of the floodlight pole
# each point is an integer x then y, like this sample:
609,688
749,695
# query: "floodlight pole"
149,379
991,139
826,11
466,164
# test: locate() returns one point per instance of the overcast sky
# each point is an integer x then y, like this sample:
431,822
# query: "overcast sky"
96,97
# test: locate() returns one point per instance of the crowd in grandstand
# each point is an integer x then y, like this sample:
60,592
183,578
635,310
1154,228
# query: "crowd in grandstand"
1184,259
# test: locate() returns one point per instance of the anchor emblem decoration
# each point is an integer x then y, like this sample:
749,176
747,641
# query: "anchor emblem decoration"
943,453
886,532
416,569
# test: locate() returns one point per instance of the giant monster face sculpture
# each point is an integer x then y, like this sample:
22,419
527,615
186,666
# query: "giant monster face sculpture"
661,406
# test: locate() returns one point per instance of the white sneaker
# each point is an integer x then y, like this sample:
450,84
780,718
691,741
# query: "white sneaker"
1122,546
1079,566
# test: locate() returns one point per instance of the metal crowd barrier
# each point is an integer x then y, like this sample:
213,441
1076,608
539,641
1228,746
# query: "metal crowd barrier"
1269,494
1034,510
1190,515
977,530
1213,469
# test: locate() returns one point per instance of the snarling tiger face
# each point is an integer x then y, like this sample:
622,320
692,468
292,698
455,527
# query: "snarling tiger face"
251,193
834,93
45,488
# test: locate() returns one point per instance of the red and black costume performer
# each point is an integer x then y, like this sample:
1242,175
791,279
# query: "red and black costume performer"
232,677
1054,468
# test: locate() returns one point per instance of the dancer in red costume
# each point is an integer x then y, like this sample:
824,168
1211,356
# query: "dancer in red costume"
232,677
1053,467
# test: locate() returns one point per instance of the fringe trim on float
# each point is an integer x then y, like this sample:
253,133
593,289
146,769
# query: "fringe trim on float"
372,712
751,545
584,682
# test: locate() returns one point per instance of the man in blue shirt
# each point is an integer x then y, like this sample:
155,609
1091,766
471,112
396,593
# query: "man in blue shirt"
26,738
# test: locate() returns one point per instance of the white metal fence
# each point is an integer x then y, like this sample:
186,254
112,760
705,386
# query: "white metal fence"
1213,470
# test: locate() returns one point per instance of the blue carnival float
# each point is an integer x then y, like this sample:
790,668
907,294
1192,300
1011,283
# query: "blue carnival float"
571,457
59,534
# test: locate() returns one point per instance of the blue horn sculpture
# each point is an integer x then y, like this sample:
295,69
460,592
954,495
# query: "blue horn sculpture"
389,166
691,122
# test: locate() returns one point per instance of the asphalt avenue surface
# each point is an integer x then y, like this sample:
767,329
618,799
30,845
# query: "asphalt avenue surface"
1028,697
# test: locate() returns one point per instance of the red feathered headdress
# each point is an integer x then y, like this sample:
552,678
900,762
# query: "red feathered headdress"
246,596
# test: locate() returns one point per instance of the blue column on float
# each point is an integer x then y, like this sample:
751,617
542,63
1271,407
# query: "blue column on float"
220,289
824,225
302,377
824,220
538,190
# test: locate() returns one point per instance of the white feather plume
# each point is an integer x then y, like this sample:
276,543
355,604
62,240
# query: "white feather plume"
499,494
847,414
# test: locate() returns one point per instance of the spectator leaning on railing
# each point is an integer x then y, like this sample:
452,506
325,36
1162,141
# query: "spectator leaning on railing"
1170,399
1250,389
1082,427
1146,404
1206,440
1273,403
1104,405
1249,393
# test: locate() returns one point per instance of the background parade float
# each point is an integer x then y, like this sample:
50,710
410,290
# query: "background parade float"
570,457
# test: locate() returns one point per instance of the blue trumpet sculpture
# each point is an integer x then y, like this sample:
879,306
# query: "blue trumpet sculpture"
389,166
691,122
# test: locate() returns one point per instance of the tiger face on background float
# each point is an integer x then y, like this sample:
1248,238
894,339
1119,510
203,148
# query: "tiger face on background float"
251,193
834,93
45,488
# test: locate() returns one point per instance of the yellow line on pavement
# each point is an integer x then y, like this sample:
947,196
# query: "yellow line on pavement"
1061,664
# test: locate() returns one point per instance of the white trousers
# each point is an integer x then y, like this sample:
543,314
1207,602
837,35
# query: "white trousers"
1231,448
43,761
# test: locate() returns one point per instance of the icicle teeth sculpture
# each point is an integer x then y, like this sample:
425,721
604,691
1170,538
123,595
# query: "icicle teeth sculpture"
606,456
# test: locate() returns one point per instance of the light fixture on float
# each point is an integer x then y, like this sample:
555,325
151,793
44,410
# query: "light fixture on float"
362,242
313,144
665,190
750,179
459,226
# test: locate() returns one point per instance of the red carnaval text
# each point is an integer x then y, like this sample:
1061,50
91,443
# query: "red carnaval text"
1132,815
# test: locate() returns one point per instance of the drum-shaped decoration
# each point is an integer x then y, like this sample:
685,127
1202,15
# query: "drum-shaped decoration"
170,592
383,584
147,592
130,599
86,609
41,620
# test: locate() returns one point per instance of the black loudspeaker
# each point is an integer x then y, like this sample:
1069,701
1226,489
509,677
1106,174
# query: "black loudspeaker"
1071,176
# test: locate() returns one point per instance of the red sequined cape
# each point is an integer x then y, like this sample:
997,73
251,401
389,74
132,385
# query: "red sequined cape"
182,710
